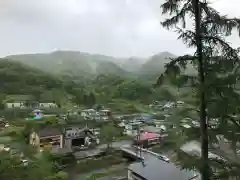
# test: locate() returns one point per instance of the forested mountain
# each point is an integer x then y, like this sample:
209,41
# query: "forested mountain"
17,78
155,65
77,64
133,64
20,80
71,63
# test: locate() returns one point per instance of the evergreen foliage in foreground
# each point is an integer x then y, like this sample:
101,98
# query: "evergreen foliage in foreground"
215,95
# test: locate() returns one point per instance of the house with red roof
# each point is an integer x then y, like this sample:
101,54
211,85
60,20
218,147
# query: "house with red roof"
146,139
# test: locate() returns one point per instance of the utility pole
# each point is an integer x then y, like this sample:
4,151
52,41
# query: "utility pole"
140,150
137,141
139,146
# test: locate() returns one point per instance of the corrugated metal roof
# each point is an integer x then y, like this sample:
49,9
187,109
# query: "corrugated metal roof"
156,169
49,131
148,135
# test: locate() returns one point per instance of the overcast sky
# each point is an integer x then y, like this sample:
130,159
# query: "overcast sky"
112,27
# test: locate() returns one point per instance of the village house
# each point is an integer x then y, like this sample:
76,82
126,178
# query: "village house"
180,103
15,105
79,137
122,124
3,123
169,105
48,137
47,105
26,101
88,113
24,104
3,147
132,129
103,114
147,139
160,125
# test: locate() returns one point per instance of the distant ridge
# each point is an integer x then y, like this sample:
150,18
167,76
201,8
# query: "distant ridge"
86,65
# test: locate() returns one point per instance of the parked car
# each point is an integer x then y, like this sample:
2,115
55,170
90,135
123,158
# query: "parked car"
163,157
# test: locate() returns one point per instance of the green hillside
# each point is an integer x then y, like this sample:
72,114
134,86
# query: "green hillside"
17,78
133,64
78,66
155,64
19,81
153,67
71,63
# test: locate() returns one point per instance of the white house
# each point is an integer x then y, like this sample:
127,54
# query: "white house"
160,126
36,105
88,113
180,102
47,105
168,105
105,112
122,124
15,105
132,129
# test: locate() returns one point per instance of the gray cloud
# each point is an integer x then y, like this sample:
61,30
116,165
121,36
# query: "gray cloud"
111,27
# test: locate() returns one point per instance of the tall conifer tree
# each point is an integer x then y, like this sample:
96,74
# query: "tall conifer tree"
216,63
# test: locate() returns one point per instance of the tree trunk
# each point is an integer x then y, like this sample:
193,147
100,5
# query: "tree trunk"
234,143
203,114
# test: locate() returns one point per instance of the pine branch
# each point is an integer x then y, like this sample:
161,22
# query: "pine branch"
234,121
179,16
217,40
181,60
170,6
172,67
219,23
187,36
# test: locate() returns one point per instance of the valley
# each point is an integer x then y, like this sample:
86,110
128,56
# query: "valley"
143,113
55,98
91,114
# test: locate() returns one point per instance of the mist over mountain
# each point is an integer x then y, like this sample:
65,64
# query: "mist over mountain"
70,63
80,64
133,64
